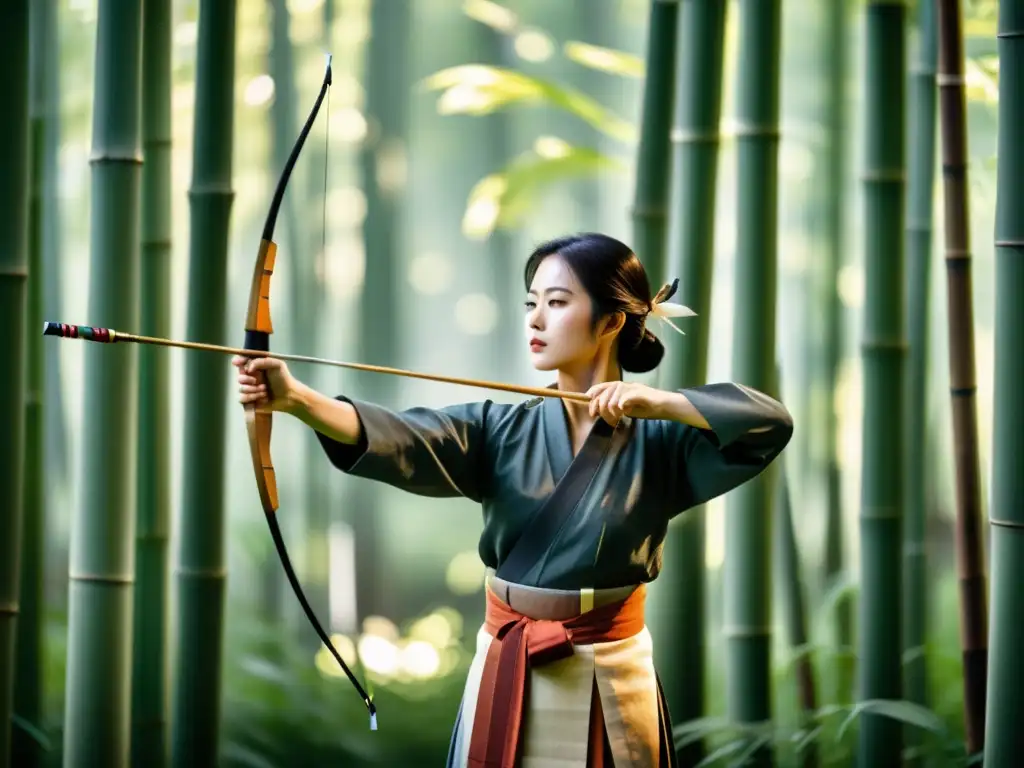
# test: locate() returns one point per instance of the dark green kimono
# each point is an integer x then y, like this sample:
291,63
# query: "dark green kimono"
625,485
551,520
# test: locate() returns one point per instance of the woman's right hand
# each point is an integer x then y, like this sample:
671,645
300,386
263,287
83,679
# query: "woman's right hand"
266,383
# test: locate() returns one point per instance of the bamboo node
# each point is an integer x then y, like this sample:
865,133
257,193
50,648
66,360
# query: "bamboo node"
745,630
681,136
1018,524
130,158
14,273
200,573
880,512
101,578
1009,243
211,189
950,79
883,174
754,130
649,211
8,609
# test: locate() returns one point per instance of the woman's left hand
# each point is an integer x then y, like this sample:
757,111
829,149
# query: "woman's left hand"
614,399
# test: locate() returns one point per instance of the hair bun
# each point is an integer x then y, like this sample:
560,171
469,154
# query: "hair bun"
644,356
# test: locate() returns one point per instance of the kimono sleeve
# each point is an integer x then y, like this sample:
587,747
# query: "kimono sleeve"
428,452
748,430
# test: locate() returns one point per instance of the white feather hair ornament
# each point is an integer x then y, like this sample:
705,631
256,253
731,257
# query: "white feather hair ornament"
664,309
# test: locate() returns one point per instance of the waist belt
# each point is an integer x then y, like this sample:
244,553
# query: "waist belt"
554,604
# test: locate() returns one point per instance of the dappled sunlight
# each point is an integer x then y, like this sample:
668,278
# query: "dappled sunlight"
430,273
476,314
259,90
492,14
465,573
534,45
429,650
348,125
551,147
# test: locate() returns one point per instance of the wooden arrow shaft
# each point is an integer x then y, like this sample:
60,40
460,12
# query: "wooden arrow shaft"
110,336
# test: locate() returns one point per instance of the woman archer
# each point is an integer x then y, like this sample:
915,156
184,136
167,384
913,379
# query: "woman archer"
576,500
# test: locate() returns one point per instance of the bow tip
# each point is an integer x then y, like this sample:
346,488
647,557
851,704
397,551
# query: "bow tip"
327,64
373,721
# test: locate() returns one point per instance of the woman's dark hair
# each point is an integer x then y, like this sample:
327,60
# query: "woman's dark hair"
616,281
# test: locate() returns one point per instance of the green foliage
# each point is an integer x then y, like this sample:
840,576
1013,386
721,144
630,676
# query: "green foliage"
281,710
480,89
829,729
502,199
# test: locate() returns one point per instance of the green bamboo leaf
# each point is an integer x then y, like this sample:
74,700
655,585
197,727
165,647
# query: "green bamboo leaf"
237,754
906,712
501,199
604,59
698,729
37,735
494,15
479,89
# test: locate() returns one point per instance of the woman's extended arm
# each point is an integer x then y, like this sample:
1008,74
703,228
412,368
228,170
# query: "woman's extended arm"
333,418
431,452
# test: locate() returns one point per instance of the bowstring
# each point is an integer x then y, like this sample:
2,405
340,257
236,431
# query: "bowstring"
327,164
360,665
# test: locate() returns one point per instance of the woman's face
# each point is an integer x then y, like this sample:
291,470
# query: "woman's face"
559,319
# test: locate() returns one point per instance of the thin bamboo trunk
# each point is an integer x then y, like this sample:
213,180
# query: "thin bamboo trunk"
920,215
153,492
505,267
97,715
837,24
28,687
383,159
962,377
1004,736
794,605
748,577
883,349
200,570
57,447
679,624
14,223
653,160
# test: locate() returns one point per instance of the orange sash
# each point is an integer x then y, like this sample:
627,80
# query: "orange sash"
520,643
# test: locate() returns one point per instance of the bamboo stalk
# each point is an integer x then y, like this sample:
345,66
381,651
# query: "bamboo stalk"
790,584
153,491
920,195
679,621
834,40
110,336
14,221
653,158
747,578
200,568
384,152
883,349
28,689
97,715
963,379
1004,736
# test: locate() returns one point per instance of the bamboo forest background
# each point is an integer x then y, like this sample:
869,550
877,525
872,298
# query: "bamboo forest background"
400,245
